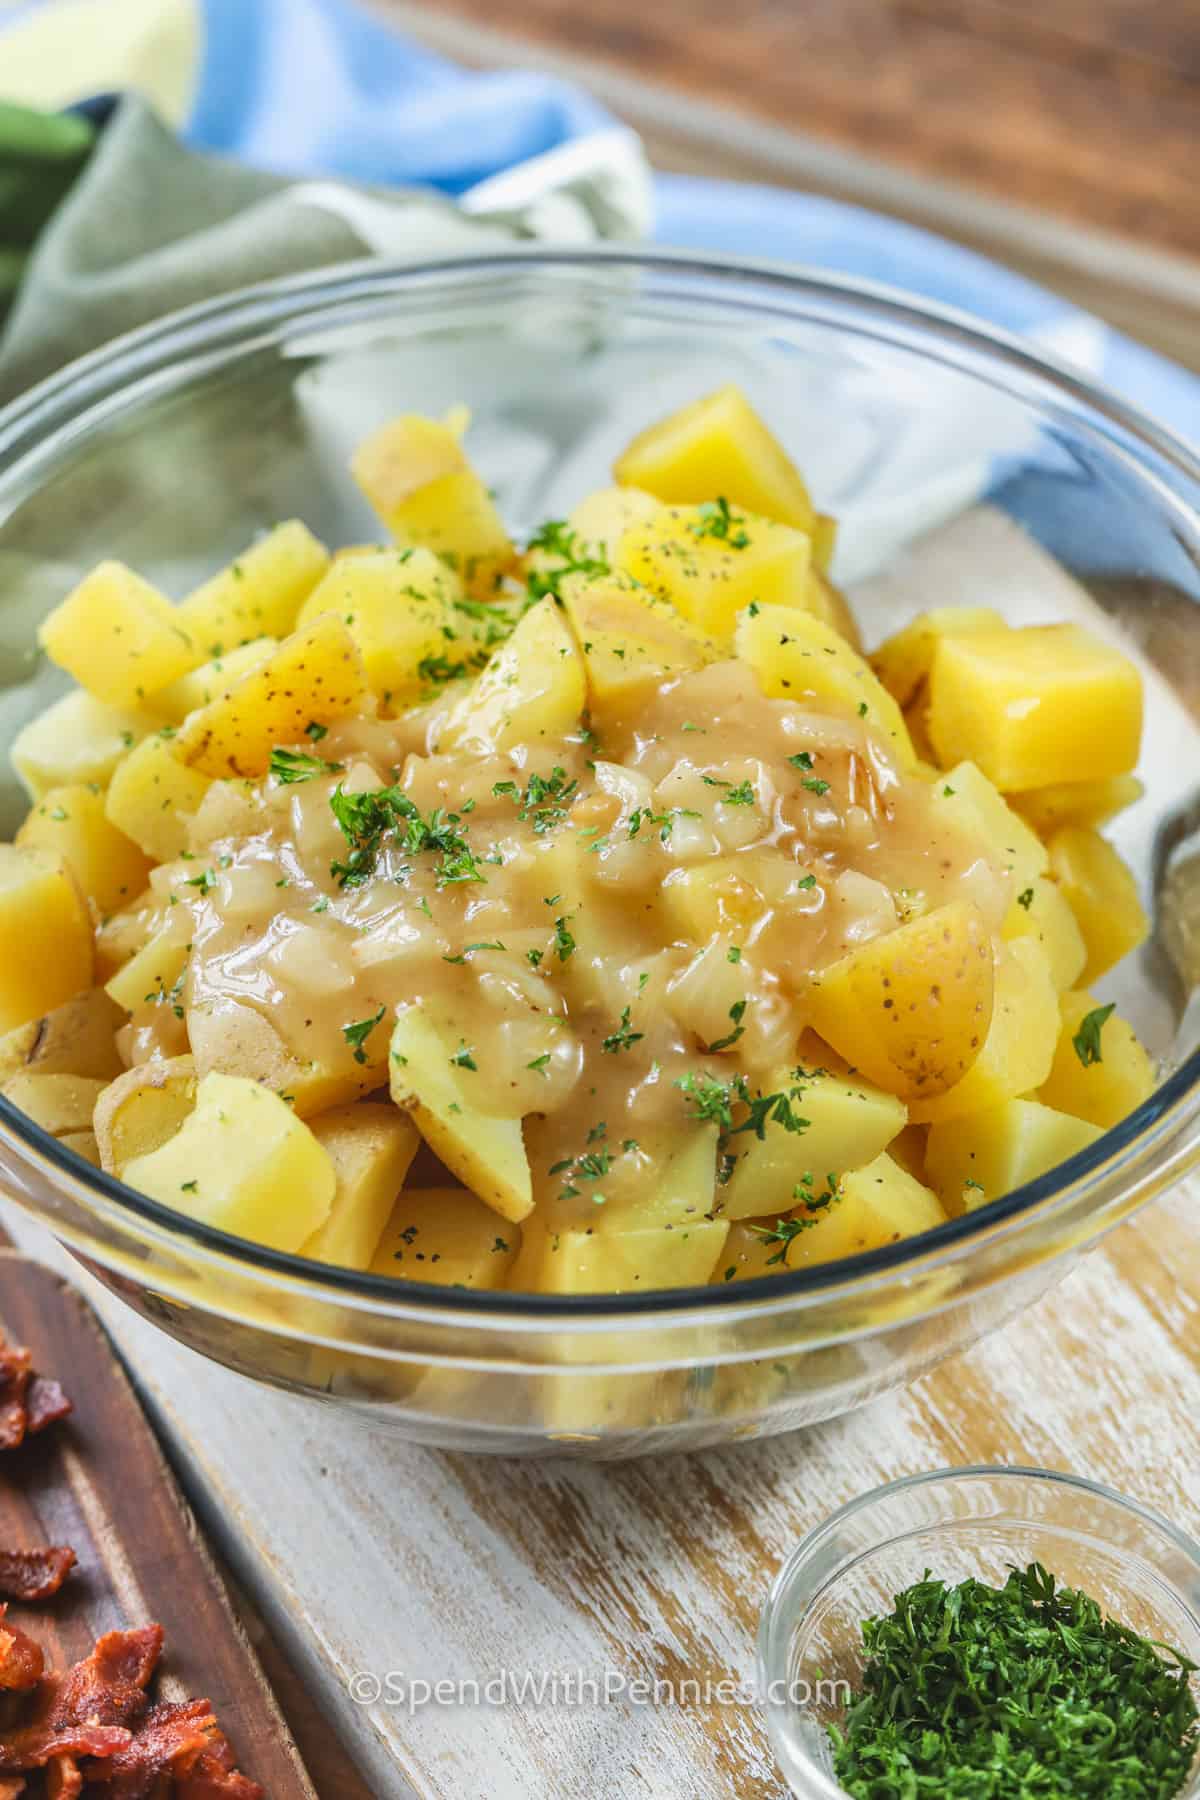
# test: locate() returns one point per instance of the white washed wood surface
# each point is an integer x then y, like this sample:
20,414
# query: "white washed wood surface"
364,1553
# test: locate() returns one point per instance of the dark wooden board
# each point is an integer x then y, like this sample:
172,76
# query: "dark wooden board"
98,1482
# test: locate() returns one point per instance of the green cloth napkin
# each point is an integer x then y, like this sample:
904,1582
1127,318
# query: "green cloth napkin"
133,225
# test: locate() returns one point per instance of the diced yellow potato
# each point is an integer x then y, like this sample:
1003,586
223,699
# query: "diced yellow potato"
908,1149
371,1146
83,1143
824,532
153,798
1106,1090
850,1123
911,1009
58,1103
212,680
76,739
712,564
118,636
243,1163
1102,894
314,677
972,1160
398,607
1045,704
797,657
45,936
230,1037
878,1205
446,1235
965,794
903,661
682,1192
71,823
533,688
631,642
601,520
829,604
718,445
485,1151
1016,1055
143,1108
1039,911
1078,803
258,595
154,977
721,896
748,1252
416,475
76,1038
638,1259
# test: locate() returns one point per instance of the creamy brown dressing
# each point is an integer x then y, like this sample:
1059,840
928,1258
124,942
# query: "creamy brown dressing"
695,876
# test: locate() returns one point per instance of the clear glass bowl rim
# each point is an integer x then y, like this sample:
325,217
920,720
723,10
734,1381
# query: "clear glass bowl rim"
44,420
775,1624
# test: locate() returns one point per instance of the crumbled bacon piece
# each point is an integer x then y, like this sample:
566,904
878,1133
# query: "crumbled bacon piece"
215,1777
12,1787
45,1404
64,1779
21,1661
34,1574
89,1710
14,1380
170,1740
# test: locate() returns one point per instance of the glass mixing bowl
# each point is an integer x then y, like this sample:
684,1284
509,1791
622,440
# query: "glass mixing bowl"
956,1524
171,448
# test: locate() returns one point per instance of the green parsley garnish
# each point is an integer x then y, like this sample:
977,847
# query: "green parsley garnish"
469,950
564,943
801,760
741,795
622,1038
1087,1038
1025,899
556,538
366,819
545,801
977,1692
815,785
357,1034
717,521
734,953
315,730
296,765
539,1062
736,1012
463,1057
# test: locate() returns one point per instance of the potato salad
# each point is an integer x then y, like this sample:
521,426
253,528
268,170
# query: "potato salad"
585,915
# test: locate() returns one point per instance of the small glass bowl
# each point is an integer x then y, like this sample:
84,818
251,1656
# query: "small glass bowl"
955,1523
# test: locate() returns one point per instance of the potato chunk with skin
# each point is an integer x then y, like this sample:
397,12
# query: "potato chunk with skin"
636,1260
965,793
1039,911
485,1151
718,445
797,657
748,1252
314,677
398,607
243,1163
876,1206
139,1111
371,1146
77,739
973,1160
1102,894
1077,803
903,661
1044,704
448,1236
231,1037
46,954
602,518
631,642
118,636
711,564
258,595
416,475
533,688
212,680
1104,1091
153,976
58,1103
1016,1055
849,1124
76,1038
71,822
153,799
911,1009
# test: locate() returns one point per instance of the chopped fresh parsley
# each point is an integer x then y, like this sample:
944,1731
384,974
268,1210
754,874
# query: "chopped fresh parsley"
623,1038
1025,899
356,1035
564,943
545,800
463,1057
815,785
734,953
716,520
1087,1039
556,538
289,766
801,760
366,819
736,1012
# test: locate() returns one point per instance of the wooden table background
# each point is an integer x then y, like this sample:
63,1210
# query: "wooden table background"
1061,139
